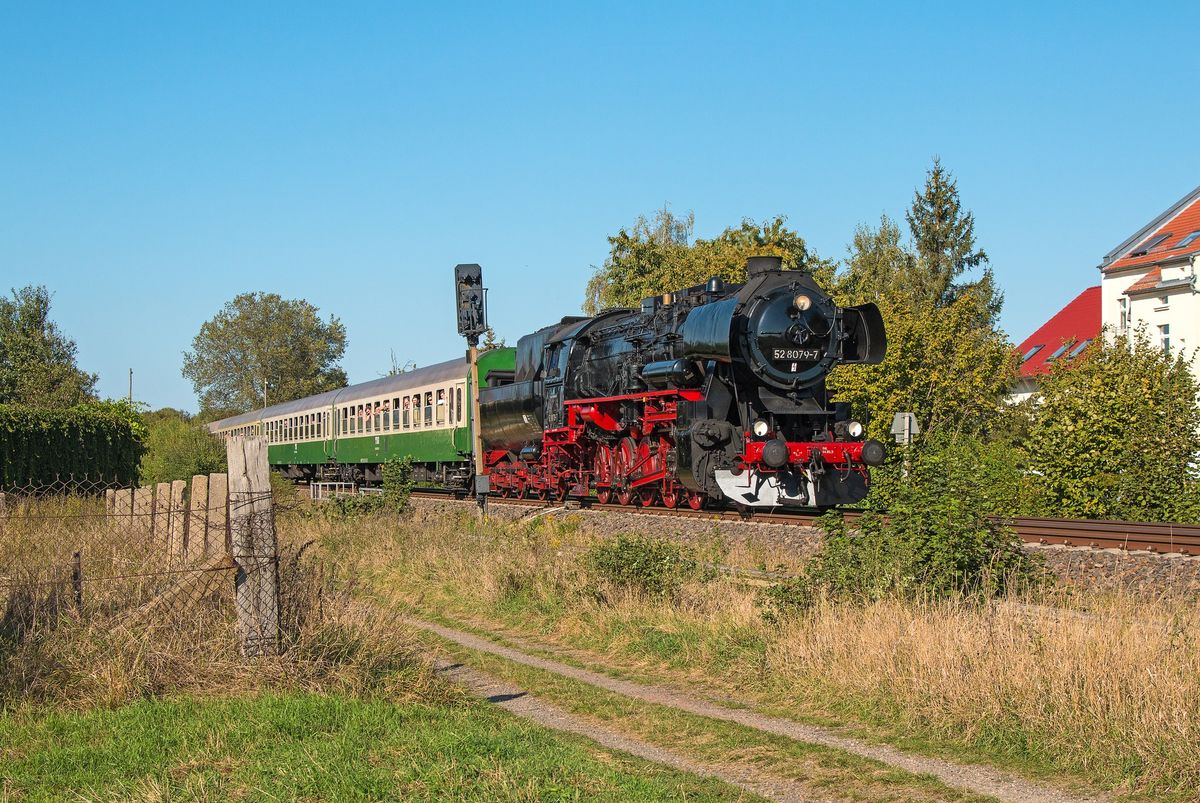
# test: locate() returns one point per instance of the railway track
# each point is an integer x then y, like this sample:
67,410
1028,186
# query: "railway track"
1131,536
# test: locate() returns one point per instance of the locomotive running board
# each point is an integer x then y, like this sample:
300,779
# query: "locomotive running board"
753,489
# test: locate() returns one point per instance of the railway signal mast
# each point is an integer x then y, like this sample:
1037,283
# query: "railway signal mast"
471,302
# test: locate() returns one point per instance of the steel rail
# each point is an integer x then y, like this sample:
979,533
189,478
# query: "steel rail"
1130,536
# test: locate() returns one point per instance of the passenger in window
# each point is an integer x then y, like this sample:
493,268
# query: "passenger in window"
407,411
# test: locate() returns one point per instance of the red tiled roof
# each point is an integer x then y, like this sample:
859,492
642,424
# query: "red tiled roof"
1147,282
1179,227
1078,321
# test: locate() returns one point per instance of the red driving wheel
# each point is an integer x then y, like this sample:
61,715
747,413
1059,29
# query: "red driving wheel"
670,497
647,496
695,500
602,471
624,457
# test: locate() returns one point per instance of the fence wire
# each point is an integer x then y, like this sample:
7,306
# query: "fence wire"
165,555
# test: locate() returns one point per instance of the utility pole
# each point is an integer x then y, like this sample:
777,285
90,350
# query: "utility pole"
131,386
469,295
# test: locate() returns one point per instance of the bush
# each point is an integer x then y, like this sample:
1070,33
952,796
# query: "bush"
651,566
95,440
395,499
942,537
177,448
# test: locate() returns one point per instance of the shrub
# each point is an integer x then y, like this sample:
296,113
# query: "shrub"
941,538
395,499
652,566
95,440
178,447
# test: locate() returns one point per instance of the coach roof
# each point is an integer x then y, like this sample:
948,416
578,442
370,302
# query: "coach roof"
397,383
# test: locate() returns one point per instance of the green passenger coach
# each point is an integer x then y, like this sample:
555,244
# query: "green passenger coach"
347,434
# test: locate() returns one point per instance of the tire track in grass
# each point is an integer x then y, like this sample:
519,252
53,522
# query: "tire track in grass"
517,701
981,780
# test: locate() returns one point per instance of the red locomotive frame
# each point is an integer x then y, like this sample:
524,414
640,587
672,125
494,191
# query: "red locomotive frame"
631,462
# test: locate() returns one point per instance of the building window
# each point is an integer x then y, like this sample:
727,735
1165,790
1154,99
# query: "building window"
1075,352
1123,303
1164,334
1164,300
1058,352
1029,354
1150,244
1191,238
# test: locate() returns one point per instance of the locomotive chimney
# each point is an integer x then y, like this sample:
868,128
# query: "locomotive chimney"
757,265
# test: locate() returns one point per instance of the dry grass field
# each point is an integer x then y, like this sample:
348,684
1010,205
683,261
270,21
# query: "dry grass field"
1100,687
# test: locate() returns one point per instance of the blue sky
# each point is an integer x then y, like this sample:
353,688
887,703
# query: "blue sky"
158,159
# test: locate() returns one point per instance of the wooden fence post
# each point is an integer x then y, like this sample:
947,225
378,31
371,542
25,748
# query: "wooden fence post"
176,513
197,529
255,550
143,511
162,515
217,531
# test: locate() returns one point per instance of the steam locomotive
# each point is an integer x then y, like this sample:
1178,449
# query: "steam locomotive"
715,392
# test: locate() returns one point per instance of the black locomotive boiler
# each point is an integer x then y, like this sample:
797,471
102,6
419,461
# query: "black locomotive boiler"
715,392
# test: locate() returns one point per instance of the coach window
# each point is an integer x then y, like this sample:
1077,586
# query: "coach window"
458,393
378,416
440,407
429,408
396,413
387,414
345,425
450,402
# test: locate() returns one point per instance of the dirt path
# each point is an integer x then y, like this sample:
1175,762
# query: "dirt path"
969,777
523,704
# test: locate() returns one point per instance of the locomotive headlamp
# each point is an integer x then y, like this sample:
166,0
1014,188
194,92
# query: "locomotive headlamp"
760,428
855,429
802,302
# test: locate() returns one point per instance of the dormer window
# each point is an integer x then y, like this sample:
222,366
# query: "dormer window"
1150,244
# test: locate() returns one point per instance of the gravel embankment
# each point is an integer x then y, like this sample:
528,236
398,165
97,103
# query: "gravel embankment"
1104,568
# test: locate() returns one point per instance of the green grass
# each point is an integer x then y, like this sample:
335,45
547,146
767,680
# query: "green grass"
303,746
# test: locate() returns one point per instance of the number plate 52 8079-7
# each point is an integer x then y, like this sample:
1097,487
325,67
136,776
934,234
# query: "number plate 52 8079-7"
797,354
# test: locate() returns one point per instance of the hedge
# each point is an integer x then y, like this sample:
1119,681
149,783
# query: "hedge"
97,441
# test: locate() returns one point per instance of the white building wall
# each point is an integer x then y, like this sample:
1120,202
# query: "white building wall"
1176,307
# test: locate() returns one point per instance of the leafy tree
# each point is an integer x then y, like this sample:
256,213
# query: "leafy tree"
944,239
37,362
178,447
490,342
940,364
658,257
262,349
946,360
1116,434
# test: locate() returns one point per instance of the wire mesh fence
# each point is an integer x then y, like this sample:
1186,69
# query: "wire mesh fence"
190,555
